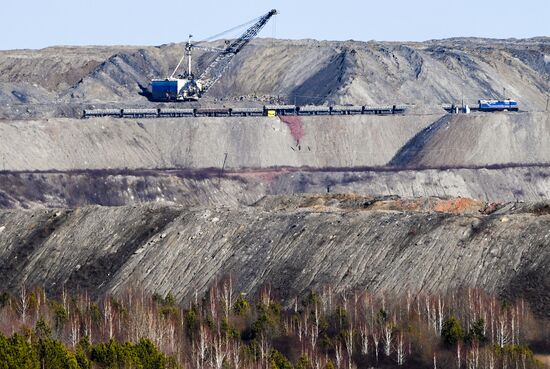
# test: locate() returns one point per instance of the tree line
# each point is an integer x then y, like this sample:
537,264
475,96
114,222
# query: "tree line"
225,329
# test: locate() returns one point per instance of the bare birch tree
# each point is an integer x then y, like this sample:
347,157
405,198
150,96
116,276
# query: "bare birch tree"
202,346
219,352
387,337
23,303
349,345
236,354
227,296
376,340
75,331
364,339
458,356
400,349
338,355
108,317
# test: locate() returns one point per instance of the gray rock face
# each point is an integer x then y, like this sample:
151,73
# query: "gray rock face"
496,157
292,243
72,190
494,185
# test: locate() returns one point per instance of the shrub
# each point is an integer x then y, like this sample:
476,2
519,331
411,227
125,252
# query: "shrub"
452,331
303,362
168,305
192,323
42,330
147,354
241,306
5,299
279,361
60,314
475,333
82,359
268,321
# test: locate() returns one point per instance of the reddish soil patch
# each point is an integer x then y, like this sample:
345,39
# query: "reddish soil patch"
296,126
460,205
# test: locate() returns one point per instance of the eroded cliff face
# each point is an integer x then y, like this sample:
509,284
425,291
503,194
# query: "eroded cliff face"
291,243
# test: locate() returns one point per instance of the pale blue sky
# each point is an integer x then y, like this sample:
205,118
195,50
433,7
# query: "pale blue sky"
40,23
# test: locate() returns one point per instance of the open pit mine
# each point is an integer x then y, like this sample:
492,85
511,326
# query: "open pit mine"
396,168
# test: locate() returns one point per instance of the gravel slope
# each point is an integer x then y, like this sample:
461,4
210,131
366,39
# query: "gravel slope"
409,141
293,244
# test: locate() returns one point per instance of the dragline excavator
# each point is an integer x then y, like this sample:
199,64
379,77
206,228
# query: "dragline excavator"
188,88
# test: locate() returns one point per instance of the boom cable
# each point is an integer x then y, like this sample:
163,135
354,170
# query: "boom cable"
214,37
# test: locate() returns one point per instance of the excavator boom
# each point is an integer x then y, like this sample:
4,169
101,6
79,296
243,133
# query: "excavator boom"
187,88
217,67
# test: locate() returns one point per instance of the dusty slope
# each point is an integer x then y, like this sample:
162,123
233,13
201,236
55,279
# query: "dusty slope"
479,139
291,243
201,188
426,74
76,189
338,142
495,185
55,68
66,144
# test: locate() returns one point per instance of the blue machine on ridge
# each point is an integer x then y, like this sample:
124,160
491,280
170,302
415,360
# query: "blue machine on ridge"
498,105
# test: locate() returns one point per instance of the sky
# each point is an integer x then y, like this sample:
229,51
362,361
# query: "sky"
40,23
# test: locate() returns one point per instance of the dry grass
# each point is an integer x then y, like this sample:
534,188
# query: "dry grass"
544,359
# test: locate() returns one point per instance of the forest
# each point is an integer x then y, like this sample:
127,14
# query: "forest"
324,329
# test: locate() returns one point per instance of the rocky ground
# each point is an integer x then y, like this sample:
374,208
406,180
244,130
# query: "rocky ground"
407,141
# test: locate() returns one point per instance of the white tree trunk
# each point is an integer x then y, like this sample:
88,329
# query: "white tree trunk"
387,337
338,353
364,340
23,303
400,350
